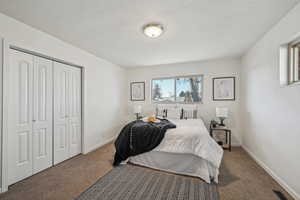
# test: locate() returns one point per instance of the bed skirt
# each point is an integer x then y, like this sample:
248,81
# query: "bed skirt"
183,164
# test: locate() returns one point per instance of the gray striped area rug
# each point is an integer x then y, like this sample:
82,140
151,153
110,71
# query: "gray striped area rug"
135,183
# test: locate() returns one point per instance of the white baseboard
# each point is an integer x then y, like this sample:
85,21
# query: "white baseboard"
236,144
2,190
281,182
102,143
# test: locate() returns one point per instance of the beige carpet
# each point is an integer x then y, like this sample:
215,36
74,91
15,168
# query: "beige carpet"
241,178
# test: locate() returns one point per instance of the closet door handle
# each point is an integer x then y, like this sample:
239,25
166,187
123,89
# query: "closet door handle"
33,120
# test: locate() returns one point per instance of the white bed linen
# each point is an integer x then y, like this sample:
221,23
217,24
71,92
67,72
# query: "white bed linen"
184,164
187,149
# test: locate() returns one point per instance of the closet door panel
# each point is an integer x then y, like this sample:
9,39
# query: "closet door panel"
20,116
61,112
75,111
42,123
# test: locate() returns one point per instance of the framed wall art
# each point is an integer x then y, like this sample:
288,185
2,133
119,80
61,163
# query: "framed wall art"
224,89
137,91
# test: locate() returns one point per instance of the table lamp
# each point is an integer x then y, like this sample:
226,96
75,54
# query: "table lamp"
222,114
137,109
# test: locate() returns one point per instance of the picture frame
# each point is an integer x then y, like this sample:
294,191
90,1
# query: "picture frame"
137,91
224,89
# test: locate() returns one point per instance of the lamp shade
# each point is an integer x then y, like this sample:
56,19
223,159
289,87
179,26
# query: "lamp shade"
137,109
222,112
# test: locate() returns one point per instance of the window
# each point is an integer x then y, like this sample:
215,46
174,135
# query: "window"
187,89
294,61
289,67
163,90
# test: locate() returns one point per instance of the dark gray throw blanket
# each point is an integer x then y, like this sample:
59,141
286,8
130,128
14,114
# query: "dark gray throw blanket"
139,137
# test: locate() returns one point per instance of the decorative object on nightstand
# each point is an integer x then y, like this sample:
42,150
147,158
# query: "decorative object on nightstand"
219,130
137,110
222,114
214,123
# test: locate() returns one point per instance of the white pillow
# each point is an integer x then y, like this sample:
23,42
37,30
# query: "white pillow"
174,113
160,113
190,114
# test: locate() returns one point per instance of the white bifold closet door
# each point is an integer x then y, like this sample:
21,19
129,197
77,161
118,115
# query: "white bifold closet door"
42,114
30,115
67,112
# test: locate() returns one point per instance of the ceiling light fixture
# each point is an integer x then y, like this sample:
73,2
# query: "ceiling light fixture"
153,30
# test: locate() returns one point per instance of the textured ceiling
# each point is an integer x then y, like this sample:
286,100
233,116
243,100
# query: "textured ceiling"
111,29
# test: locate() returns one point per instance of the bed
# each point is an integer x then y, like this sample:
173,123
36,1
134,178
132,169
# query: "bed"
186,150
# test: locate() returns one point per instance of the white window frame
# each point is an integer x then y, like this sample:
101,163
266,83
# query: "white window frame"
287,74
293,60
176,77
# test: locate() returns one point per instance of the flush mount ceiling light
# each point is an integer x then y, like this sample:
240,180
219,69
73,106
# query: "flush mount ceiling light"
153,30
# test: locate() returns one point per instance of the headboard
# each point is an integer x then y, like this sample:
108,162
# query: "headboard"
161,112
177,112
189,113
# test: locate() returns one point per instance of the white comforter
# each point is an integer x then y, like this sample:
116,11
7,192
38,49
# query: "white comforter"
191,137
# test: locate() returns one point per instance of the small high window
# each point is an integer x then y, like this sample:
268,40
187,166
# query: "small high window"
290,62
294,61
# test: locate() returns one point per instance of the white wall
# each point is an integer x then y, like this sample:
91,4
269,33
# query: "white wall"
1,62
210,69
272,113
105,90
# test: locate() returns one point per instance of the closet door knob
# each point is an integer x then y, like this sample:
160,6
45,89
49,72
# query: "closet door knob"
33,120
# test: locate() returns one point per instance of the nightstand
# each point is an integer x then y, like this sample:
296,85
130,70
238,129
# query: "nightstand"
220,130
